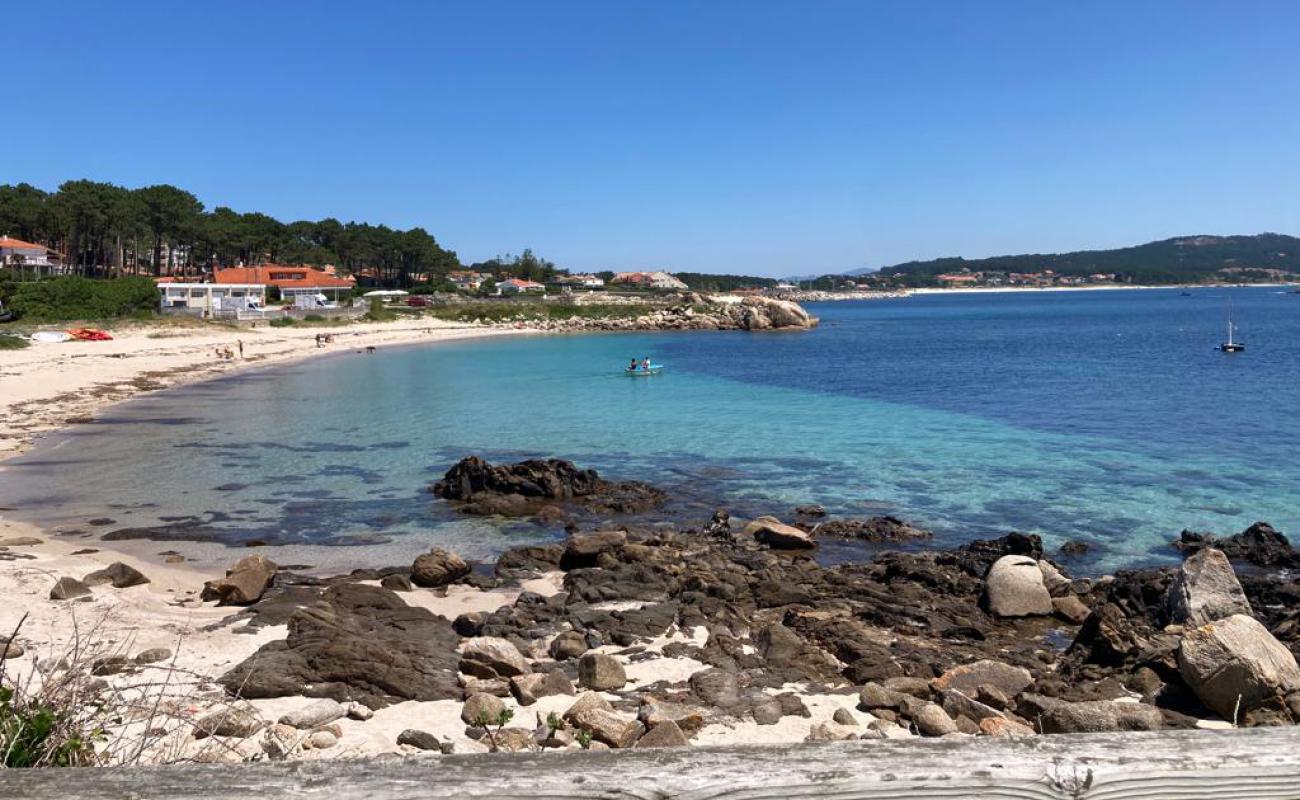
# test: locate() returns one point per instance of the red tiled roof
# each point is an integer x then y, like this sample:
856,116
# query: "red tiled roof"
10,243
284,276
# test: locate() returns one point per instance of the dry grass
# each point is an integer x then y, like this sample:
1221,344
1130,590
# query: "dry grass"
92,705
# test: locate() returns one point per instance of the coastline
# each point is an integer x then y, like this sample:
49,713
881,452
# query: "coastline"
47,387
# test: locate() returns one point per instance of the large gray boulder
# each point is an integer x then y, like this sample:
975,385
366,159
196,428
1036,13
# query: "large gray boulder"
1206,589
1235,665
1014,588
600,672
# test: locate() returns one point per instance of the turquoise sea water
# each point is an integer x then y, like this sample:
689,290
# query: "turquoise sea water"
1103,416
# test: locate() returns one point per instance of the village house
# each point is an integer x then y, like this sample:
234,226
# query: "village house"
648,280
520,286
467,280
958,278
19,255
292,281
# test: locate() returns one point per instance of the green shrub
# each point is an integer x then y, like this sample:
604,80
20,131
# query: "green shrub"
72,297
313,318
379,312
283,322
36,734
12,343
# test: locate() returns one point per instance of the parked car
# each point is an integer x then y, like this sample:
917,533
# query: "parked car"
419,300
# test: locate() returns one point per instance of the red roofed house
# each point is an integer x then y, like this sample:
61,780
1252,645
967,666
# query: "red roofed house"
290,280
17,254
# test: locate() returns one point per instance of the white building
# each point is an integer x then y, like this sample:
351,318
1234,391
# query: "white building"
211,299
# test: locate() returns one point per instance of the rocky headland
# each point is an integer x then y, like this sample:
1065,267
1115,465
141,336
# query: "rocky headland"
730,630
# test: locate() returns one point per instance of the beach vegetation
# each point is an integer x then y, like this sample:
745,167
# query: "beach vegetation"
12,342
72,297
492,727
379,312
283,322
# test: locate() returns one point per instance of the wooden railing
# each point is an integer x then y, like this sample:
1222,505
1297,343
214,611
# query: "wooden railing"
1258,764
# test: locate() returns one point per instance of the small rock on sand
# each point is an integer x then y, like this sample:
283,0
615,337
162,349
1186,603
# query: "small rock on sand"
117,575
68,589
321,712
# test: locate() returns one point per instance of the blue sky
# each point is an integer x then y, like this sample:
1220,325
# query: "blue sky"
752,137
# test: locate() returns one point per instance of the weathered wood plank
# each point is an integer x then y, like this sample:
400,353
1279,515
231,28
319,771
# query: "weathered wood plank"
1259,764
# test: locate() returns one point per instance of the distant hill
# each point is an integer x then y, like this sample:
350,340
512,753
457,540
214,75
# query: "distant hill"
1182,259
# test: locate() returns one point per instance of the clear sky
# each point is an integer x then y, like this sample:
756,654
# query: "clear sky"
752,137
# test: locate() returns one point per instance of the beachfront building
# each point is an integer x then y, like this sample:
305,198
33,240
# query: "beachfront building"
959,279
211,299
590,282
29,257
520,286
647,280
292,281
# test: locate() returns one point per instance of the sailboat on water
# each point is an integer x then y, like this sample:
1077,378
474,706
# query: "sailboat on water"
1231,346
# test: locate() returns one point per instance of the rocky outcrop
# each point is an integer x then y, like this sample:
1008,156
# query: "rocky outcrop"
352,642
1235,666
876,530
1260,544
1206,589
525,488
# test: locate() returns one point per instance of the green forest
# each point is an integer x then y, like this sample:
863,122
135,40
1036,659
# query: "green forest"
108,230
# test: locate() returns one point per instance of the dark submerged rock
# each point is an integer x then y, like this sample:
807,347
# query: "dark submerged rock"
524,488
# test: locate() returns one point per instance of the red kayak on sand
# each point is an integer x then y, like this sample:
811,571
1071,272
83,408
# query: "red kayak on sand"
89,334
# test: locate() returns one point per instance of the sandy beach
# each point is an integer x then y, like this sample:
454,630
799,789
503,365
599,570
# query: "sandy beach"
47,386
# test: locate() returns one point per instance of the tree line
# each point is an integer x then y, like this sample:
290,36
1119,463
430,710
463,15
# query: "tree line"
105,230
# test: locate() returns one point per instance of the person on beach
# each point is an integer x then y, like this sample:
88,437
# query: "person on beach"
240,342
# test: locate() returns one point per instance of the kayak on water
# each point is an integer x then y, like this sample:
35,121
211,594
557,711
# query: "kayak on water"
653,369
